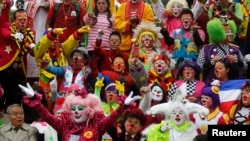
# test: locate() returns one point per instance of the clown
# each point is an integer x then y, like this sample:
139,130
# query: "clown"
77,72
161,70
17,40
82,117
128,16
190,71
176,126
119,75
187,39
171,14
145,42
210,99
219,48
240,113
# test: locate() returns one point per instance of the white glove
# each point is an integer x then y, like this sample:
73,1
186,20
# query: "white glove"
165,127
247,57
53,85
19,36
28,90
129,99
32,45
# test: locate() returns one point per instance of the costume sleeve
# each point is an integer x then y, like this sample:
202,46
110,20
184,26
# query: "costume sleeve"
158,9
148,14
199,37
145,103
121,23
42,46
71,43
5,30
58,71
155,133
167,39
107,122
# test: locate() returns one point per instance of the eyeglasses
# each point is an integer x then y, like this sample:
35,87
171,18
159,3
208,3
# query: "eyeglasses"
17,113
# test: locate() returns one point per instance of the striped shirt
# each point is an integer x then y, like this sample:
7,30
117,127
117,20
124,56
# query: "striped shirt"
102,24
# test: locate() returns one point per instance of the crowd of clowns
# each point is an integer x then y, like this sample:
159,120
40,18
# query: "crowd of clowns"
125,70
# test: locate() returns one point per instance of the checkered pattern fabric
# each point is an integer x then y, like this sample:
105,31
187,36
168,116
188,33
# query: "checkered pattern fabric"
190,87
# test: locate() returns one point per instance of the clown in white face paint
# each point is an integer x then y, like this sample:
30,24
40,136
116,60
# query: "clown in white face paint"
78,113
157,93
176,9
177,116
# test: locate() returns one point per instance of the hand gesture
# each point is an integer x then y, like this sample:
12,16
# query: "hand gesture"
144,90
129,99
120,87
195,27
165,127
99,82
92,15
84,29
19,36
27,90
59,31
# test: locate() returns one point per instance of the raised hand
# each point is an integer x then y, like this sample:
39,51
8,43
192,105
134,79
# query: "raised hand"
84,29
27,90
59,31
129,99
165,127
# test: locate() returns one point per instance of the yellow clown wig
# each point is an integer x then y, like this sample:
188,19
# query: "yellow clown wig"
171,2
148,28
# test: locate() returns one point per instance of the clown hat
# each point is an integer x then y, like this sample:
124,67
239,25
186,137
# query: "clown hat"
212,92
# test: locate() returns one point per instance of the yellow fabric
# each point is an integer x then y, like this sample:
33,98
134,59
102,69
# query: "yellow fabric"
147,33
121,23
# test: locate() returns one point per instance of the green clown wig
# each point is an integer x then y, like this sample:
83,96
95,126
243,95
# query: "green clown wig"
216,31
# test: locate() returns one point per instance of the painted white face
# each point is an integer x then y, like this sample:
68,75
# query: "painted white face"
176,9
156,93
160,67
177,116
147,41
78,114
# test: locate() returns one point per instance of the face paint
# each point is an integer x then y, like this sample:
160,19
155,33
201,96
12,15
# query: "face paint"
245,97
188,73
21,21
176,9
177,116
156,93
78,113
119,65
132,125
160,67
135,1
186,20
220,71
147,41
206,101
111,96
